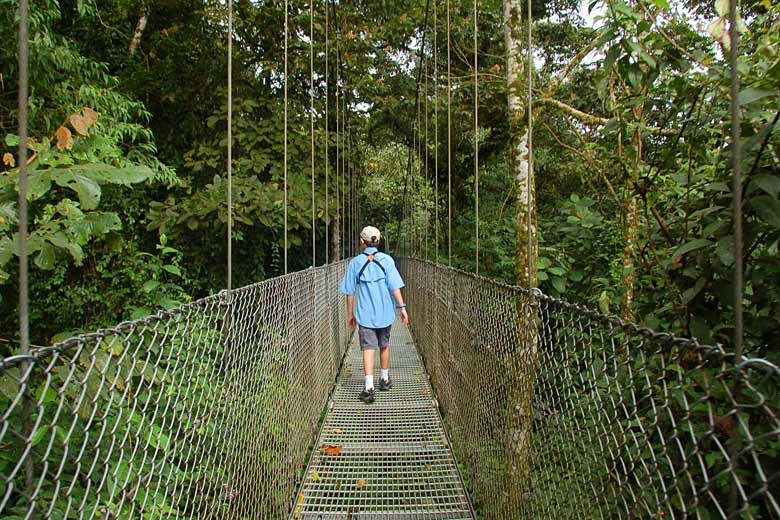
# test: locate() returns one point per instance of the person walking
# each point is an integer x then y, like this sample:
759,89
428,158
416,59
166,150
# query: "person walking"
378,284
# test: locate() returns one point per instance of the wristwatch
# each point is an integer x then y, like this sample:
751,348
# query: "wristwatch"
402,306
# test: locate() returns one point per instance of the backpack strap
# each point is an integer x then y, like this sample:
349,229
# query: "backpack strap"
370,259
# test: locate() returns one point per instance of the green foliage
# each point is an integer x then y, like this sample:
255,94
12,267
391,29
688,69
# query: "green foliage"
88,145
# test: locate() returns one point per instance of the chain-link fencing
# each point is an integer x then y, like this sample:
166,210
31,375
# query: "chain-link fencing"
205,411
556,411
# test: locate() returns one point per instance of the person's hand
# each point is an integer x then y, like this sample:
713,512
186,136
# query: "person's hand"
352,322
404,317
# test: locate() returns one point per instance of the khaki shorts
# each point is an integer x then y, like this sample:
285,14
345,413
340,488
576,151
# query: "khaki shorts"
372,339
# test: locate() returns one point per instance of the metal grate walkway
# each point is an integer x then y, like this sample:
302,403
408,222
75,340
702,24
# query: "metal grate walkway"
390,459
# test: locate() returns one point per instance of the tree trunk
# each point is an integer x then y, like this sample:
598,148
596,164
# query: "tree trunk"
630,223
335,239
518,135
521,365
139,30
629,235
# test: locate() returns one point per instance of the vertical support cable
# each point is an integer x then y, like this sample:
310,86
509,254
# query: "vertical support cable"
311,130
24,313
449,142
344,187
285,133
339,185
436,128
530,145
347,178
327,143
230,150
353,178
476,138
345,167
736,169
418,153
24,316
425,151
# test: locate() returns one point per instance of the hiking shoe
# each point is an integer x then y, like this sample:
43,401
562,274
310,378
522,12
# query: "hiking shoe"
367,396
385,385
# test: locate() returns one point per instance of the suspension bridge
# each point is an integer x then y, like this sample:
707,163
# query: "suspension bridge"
508,403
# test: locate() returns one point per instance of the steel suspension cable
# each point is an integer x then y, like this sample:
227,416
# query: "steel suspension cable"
347,179
339,186
230,151
736,170
285,133
736,167
418,151
327,143
24,316
311,130
353,175
436,126
24,312
449,142
425,142
413,144
476,139
340,138
529,199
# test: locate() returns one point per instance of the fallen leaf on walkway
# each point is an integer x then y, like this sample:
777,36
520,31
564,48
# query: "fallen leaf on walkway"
425,391
315,476
298,507
331,450
360,484
337,430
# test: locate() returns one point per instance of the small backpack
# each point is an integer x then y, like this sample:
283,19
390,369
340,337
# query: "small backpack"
370,259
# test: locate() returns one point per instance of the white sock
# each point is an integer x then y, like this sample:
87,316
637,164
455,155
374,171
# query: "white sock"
369,383
386,374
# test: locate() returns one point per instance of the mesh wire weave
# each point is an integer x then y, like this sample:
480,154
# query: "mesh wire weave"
553,410
177,415
556,411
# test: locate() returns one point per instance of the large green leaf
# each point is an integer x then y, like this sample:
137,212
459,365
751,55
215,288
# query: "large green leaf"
768,183
87,189
6,250
85,180
38,183
95,224
45,258
693,245
7,215
725,250
107,174
754,94
768,208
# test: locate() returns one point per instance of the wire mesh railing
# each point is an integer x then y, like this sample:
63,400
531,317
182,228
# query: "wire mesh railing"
557,411
205,411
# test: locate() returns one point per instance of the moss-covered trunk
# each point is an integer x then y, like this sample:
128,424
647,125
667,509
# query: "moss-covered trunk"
520,368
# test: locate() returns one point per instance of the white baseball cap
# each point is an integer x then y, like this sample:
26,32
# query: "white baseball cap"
370,235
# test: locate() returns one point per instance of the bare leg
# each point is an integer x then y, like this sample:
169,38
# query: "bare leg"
384,357
368,361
